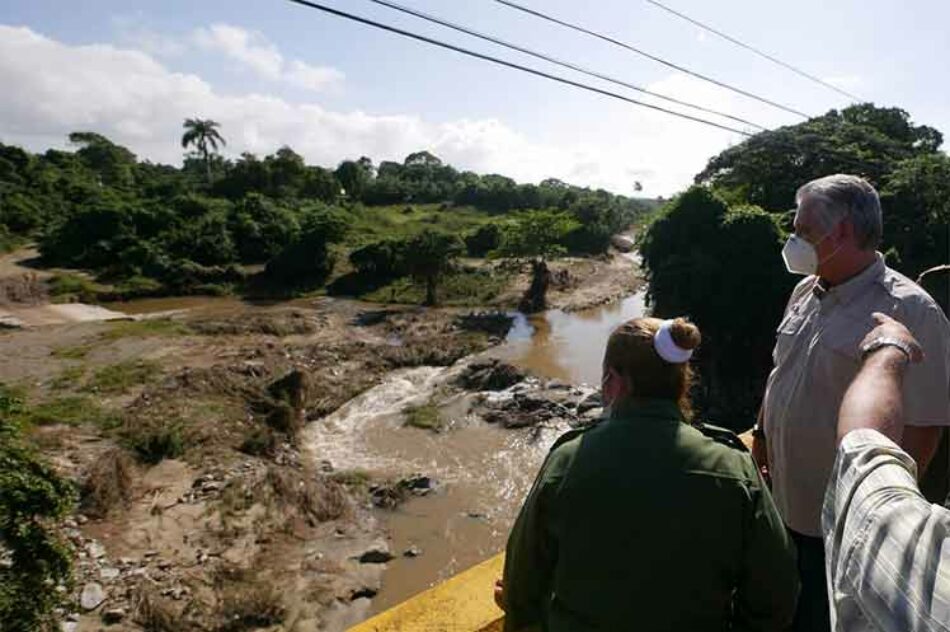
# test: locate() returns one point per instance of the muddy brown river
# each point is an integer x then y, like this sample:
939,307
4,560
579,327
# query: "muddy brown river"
483,471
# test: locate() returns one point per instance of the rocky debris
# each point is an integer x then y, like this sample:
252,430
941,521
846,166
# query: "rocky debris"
369,318
95,550
412,551
108,573
494,323
591,402
377,553
8,321
490,375
536,403
391,495
93,594
364,592
113,616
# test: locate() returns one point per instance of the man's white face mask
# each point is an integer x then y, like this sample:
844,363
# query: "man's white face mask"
801,257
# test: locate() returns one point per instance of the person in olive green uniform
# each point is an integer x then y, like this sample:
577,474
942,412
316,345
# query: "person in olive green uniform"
645,521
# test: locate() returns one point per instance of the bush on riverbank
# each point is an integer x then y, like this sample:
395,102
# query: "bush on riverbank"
32,498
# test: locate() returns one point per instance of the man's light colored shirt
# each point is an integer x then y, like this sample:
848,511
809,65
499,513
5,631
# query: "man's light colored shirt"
887,549
817,355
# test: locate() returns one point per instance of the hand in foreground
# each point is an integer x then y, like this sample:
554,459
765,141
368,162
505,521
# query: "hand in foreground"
499,594
887,327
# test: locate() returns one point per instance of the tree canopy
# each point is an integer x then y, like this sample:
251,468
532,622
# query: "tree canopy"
150,228
714,252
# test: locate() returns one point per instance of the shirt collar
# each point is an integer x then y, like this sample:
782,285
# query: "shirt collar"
852,288
637,408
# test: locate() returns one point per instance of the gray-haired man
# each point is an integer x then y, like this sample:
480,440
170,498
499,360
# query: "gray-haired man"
838,227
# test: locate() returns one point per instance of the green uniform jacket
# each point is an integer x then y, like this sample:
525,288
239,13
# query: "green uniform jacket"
642,522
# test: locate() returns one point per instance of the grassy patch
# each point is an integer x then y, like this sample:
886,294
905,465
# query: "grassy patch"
425,416
108,483
154,440
259,441
316,499
470,288
75,352
145,328
70,377
154,612
118,378
68,288
353,479
247,601
71,411
371,223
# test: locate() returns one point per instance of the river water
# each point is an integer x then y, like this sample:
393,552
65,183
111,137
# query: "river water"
568,345
483,471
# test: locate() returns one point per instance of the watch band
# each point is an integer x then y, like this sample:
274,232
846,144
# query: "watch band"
887,341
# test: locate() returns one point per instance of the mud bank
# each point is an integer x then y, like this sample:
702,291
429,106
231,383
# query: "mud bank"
297,466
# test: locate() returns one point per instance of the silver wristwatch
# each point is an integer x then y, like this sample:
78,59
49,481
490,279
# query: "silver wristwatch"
886,341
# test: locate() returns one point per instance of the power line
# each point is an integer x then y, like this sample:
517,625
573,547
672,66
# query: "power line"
553,60
755,50
510,64
660,60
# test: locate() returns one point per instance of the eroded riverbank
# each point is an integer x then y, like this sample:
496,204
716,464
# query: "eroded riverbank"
314,510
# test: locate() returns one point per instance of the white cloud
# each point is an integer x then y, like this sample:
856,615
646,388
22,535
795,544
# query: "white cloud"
312,77
248,48
253,50
54,88
133,31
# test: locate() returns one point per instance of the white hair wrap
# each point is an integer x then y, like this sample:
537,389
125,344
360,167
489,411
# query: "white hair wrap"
667,348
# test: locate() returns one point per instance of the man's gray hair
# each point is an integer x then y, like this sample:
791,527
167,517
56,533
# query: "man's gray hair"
848,197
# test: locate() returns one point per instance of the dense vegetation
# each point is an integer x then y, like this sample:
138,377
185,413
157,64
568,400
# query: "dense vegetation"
714,252
33,558
202,228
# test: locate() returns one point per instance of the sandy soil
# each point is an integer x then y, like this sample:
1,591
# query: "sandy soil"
217,521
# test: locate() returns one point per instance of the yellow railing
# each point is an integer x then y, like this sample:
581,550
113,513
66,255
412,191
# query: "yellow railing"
463,603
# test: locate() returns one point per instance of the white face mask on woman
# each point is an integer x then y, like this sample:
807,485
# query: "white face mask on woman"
801,257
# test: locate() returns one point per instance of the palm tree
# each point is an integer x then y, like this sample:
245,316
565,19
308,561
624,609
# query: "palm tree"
201,133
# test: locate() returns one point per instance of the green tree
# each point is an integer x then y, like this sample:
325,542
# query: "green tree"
204,135
429,256
916,201
536,236
261,228
721,267
307,261
113,164
354,177
32,498
768,168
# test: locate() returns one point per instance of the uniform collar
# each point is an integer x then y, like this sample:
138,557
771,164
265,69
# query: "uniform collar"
846,292
636,408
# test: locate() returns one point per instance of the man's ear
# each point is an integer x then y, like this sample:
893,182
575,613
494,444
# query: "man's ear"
844,231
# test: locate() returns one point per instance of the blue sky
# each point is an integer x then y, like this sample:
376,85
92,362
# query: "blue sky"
275,73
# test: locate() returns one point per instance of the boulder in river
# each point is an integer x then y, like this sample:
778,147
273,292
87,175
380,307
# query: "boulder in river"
528,407
622,243
377,553
490,375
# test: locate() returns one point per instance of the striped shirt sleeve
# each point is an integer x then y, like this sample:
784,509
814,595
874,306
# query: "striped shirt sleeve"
887,549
